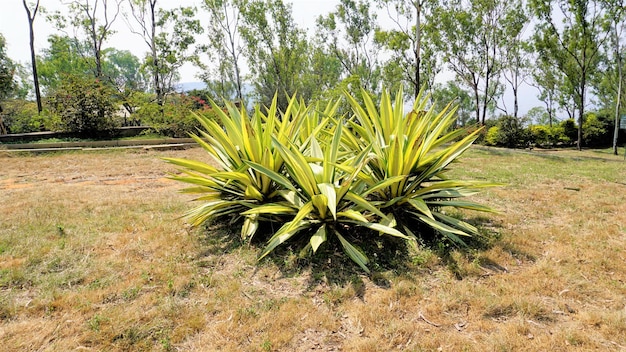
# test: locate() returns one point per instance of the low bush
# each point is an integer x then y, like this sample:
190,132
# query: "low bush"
546,136
85,106
175,118
491,138
511,133
21,116
570,131
597,130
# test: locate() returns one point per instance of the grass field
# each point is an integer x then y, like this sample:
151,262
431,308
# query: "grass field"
93,256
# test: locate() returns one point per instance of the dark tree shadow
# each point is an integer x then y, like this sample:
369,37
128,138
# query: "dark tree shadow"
388,256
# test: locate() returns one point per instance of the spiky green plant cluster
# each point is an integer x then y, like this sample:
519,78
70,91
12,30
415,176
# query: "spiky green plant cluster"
320,176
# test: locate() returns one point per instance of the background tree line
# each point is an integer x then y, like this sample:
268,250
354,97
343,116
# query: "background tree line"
247,50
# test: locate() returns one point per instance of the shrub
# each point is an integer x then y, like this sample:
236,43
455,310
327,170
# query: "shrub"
547,136
570,130
511,132
596,131
491,138
175,118
321,177
84,106
540,134
410,157
21,116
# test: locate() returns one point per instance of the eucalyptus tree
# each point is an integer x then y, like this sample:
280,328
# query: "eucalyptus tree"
125,74
613,78
548,81
276,49
470,35
570,33
450,91
64,57
349,34
31,13
412,53
514,50
95,19
169,36
224,49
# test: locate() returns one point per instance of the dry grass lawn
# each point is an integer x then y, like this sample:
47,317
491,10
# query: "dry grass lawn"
93,256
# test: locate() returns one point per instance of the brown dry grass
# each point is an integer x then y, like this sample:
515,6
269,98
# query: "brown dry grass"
93,257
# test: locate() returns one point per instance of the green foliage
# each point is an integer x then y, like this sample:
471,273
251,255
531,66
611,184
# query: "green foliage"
450,91
60,59
570,130
470,34
21,116
410,157
571,40
321,178
7,70
540,134
510,132
413,58
175,118
84,106
237,141
492,136
597,130
354,23
276,49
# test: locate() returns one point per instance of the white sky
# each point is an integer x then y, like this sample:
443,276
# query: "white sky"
14,27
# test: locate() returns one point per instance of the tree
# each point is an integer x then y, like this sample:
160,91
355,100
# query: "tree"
85,106
451,92
614,75
470,36
224,48
412,54
123,71
63,58
514,56
325,70
548,81
7,83
169,35
95,24
569,33
32,14
276,49
349,34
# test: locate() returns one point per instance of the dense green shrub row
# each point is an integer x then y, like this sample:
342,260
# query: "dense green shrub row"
91,108
509,132
317,176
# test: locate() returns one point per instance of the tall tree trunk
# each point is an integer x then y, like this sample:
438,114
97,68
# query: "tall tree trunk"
581,112
477,101
515,103
619,90
418,46
237,74
33,60
155,59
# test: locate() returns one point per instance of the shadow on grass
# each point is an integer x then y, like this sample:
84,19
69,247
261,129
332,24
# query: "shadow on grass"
388,256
